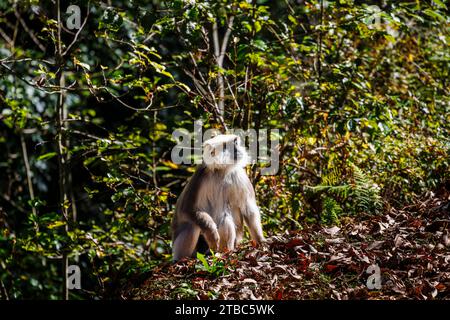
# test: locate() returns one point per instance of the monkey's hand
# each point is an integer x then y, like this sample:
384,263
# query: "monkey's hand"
209,229
212,239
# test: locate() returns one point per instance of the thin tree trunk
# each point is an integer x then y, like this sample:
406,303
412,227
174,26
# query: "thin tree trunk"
319,54
28,173
4,291
219,52
63,197
62,149
62,172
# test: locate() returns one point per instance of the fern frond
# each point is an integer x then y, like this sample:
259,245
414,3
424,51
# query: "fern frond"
365,191
332,177
340,191
331,211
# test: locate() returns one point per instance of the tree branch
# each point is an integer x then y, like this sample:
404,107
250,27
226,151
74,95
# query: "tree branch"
28,30
78,32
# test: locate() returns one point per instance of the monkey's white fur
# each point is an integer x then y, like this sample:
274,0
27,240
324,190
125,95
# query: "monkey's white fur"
217,201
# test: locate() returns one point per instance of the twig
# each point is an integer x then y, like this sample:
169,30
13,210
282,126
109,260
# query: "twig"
211,94
28,30
78,32
14,204
232,94
37,87
147,108
6,37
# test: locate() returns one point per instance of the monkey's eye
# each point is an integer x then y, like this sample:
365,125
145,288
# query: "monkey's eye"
236,141
213,152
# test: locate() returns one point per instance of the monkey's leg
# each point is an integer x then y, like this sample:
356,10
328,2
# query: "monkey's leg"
209,229
239,235
185,241
239,223
227,232
253,220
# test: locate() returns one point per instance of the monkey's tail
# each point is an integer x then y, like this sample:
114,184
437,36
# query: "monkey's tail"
209,229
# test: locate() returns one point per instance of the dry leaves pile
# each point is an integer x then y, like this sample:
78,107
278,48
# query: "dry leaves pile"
411,246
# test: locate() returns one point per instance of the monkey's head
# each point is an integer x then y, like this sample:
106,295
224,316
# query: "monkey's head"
224,151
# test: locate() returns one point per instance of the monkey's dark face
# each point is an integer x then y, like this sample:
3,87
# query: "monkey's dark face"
224,151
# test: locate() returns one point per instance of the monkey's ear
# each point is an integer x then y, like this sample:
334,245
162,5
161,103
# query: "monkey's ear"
206,145
208,149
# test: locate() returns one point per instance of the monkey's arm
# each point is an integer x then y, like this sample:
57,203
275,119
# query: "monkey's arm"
209,229
252,219
252,216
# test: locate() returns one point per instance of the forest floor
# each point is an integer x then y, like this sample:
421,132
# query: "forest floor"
411,246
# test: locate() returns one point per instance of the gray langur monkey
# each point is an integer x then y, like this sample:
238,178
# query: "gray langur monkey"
216,201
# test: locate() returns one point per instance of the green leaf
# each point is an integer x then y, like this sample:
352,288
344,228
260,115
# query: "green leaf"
434,14
440,4
257,26
47,156
260,44
203,260
56,224
293,20
82,64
